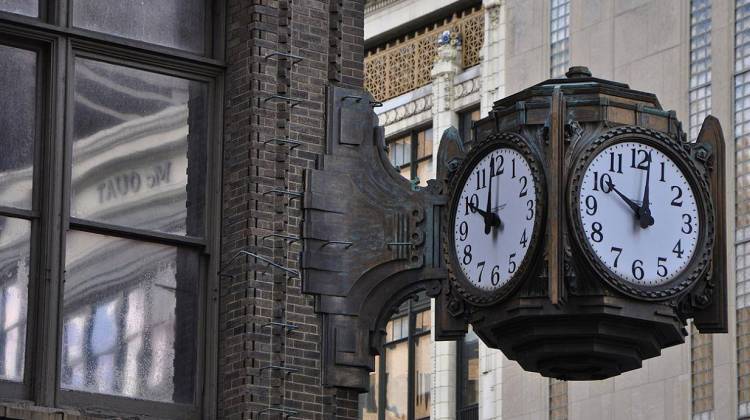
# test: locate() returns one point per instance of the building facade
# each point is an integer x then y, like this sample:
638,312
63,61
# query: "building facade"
436,64
151,158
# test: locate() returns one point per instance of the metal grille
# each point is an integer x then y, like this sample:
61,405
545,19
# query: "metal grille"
700,64
559,37
405,64
558,400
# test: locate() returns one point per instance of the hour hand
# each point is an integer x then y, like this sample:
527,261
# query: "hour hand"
635,207
490,219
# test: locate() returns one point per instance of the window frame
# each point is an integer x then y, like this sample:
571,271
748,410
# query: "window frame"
410,309
413,134
57,44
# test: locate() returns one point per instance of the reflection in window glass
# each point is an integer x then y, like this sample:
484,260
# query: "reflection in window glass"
21,7
422,375
172,23
17,125
15,237
397,380
129,320
139,157
469,370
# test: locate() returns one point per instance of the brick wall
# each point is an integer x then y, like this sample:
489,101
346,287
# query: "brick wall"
329,36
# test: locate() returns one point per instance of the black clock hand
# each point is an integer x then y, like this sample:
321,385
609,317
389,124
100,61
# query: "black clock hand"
491,218
644,213
487,218
629,202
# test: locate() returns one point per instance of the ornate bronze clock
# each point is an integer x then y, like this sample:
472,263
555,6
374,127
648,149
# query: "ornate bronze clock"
494,219
641,213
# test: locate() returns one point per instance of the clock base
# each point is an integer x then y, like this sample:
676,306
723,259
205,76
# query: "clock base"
590,338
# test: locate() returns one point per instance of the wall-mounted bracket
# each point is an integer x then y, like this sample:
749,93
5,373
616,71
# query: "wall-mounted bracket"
293,58
292,102
292,143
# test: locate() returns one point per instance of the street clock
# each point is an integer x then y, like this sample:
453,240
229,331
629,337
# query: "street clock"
495,218
641,213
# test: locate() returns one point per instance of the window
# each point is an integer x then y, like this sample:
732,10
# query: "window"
742,223
411,154
467,377
559,37
401,383
465,123
700,65
108,155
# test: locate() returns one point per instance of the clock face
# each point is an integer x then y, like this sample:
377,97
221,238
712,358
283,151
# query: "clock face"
639,213
494,218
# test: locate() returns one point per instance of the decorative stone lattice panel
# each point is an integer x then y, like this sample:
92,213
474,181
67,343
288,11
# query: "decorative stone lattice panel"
405,64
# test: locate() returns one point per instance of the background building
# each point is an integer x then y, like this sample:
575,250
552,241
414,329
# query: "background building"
436,64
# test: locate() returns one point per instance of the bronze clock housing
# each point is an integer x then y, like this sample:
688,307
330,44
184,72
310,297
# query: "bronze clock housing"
681,155
468,291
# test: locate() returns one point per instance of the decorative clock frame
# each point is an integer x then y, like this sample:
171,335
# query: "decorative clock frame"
684,155
458,281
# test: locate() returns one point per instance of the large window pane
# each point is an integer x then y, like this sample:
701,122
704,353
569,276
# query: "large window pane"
422,366
173,23
397,380
17,125
15,236
139,156
129,318
22,7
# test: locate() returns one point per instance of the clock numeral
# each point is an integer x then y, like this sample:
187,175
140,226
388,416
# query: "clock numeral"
480,266
679,196
591,205
463,230
511,264
637,269
524,240
523,180
513,168
596,233
618,251
661,269
467,255
499,169
495,276
661,178
604,182
687,224
677,250
474,201
530,205
615,165
481,179
643,163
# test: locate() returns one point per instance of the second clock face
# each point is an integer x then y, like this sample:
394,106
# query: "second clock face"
639,213
494,220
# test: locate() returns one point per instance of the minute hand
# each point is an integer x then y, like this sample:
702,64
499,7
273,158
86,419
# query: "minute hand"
644,213
636,209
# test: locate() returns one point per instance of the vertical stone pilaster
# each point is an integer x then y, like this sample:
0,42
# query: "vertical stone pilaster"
492,69
447,65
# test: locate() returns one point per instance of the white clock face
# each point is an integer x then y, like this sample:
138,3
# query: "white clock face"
494,220
639,213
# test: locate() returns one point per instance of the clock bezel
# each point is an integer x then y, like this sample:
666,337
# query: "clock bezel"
680,154
458,280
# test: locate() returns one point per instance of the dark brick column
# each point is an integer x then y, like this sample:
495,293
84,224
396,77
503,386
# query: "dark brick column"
329,36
